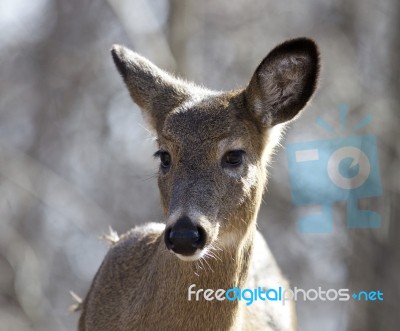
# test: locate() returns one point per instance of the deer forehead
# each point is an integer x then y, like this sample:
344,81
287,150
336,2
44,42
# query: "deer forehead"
206,125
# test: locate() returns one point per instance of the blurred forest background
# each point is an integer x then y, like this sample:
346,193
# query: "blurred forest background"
75,155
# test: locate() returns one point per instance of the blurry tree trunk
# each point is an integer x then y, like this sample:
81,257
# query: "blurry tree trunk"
178,31
375,261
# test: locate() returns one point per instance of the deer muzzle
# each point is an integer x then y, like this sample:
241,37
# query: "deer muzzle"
185,237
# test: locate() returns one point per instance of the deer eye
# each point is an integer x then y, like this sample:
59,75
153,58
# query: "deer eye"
233,158
165,159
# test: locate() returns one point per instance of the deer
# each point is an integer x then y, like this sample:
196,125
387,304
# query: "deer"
214,148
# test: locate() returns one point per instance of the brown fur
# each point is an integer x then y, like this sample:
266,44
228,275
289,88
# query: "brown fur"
140,284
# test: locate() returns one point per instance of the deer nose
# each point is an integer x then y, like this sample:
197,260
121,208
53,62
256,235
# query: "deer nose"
184,237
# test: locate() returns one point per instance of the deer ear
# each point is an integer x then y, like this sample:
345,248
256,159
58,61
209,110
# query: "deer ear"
284,82
152,89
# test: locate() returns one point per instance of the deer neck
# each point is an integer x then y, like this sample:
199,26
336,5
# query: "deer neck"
167,279
227,269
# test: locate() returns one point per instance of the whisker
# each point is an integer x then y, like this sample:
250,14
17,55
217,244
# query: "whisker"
215,256
205,260
201,262
151,177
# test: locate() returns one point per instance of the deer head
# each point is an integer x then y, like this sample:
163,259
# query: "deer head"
214,146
